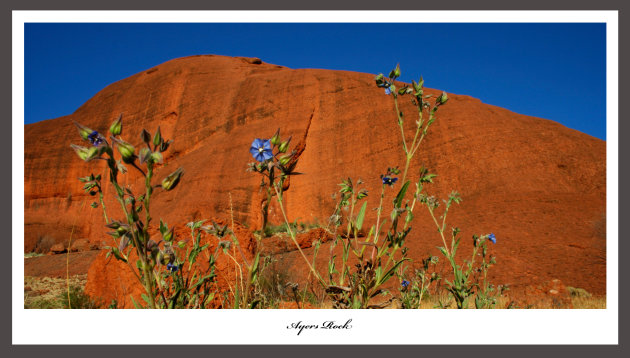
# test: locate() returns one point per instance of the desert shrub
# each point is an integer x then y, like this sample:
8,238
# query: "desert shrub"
42,303
75,298
578,292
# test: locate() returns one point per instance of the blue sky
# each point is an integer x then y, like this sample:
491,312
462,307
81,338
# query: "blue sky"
552,71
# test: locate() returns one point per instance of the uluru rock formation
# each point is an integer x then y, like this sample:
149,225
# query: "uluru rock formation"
538,186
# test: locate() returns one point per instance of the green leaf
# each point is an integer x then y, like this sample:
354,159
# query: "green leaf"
443,251
361,216
254,271
117,254
401,195
237,298
134,302
390,272
163,227
409,216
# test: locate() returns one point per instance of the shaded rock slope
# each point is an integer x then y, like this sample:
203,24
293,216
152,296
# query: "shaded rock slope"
537,185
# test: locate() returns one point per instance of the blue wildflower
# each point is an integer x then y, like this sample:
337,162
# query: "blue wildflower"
384,83
95,138
389,181
492,238
261,150
404,284
172,267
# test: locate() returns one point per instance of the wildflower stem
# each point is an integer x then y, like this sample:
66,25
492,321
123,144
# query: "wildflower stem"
284,215
147,274
378,215
346,247
149,190
413,204
100,197
441,231
400,124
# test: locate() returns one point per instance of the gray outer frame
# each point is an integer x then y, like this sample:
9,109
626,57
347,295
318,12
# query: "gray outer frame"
314,351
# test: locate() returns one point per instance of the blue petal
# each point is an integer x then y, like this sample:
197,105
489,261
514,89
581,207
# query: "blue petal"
259,156
254,151
257,143
267,144
267,154
388,91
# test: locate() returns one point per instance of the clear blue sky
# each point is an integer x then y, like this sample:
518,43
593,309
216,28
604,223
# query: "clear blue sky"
553,71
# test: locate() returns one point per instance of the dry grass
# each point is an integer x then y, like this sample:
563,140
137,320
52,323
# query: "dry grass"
48,293
589,302
44,292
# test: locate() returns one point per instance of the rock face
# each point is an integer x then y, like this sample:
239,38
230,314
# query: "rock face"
537,185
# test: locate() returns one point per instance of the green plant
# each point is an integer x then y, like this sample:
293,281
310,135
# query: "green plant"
171,279
413,292
272,167
76,299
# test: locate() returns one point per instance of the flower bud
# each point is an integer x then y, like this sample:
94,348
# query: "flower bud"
276,138
116,127
83,131
442,99
170,182
86,154
144,154
146,136
124,242
123,229
167,256
157,139
395,73
379,79
168,236
284,160
126,150
156,157
164,145
113,225
284,146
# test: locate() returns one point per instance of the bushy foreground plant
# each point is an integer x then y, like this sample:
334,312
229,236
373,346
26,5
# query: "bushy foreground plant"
381,254
166,268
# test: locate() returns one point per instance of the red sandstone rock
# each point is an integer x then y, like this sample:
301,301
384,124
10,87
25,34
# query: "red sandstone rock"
80,245
58,248
539,186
